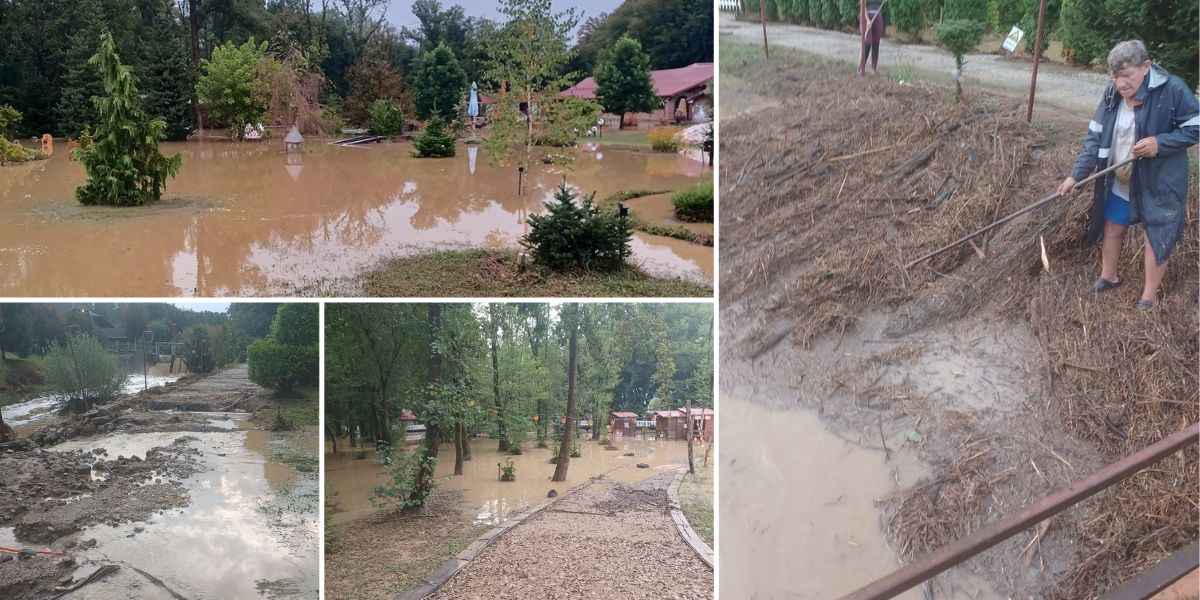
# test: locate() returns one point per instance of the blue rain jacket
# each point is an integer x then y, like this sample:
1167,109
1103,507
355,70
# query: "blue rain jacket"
1158,186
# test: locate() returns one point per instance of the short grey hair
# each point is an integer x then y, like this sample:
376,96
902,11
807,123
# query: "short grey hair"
1124,54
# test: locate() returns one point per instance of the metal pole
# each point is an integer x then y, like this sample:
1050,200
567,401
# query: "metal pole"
1003,220
762,15
147,337
78,376
931,565
1037,57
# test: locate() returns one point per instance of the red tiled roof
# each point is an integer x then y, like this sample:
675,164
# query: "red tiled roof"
407,415
667,414
700,411
625,415
667,82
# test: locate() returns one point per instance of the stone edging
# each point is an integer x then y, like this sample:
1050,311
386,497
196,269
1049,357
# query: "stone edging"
432,582
688,534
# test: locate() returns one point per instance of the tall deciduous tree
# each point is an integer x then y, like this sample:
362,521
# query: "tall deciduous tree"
228,89
438,85
124,164
623,83
571,315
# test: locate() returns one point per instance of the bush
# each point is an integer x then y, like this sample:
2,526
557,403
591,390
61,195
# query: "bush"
11,152
401,488
281,366
296,324
664,139
198,350
695,203
435,141
102,374
578,236
959,36
909,16
9,119
386,118
969,10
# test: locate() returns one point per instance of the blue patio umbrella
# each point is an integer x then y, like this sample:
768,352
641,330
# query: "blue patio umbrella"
473,105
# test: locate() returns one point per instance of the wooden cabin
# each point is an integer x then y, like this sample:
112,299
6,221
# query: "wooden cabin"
669,425
623,424
704,423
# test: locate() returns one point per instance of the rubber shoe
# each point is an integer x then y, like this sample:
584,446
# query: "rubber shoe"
1101,285
1144,305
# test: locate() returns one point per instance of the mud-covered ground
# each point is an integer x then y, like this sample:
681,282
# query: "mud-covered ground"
124,501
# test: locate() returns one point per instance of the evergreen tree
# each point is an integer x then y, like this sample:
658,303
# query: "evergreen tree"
623,83
578,235
439,85
75,108
124,164
167,76
435,141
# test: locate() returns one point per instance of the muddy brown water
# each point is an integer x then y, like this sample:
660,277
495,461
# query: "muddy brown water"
660,209
252,524
245,219
492,501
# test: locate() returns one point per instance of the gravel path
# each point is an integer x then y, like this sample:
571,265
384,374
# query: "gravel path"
1074,90
607,540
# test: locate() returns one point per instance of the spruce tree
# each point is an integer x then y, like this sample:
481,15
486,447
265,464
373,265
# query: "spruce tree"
435,141
124,164
439,85
166,76
578,235
75,109
623,83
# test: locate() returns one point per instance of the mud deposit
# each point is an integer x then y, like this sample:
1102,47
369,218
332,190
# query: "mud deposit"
489,500
245,219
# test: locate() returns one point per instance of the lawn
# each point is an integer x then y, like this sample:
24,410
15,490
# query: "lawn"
696,500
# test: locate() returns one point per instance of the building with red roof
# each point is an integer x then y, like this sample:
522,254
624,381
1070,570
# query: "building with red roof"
677,89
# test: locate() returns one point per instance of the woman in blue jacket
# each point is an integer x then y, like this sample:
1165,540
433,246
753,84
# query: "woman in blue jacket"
1152,115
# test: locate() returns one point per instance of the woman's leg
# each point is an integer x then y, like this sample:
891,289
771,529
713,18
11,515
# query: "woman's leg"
1110,250
1154,271
875,56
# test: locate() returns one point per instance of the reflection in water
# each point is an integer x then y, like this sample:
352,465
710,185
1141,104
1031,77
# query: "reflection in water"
798,510
245,219
492,501
230,537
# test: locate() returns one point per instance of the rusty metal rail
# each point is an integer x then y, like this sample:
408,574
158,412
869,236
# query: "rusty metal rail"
1159,577
933,564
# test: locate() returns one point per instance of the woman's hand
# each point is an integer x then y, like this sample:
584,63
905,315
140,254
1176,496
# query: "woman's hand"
1146,147
1067,187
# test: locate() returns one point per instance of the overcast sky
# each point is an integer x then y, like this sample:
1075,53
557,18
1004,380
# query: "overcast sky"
217,307
399,12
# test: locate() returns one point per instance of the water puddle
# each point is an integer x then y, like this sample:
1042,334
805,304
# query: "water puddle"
22,415
244,529
245,218
493,501
661,210
803,501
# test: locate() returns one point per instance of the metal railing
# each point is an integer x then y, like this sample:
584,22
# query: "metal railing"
931,565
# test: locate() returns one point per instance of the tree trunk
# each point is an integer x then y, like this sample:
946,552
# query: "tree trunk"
690,420
382,426
564,450
424,483
466,443
332,431
458,448
493,311
596,421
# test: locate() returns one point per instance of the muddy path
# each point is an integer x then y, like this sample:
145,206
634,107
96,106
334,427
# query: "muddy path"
126,501
990,369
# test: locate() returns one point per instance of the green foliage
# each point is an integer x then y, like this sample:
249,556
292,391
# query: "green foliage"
848,13
251,320
623,83
1091,28
12,152
10,118
228,89
694,203
508,471
331,527
435,141
1003,14
124,164
102,374
664,139
401,491
576,452
674,33
825,12
386,118
296,324
566,119
968,10
167,77
959,36
81,82
281,367
577,236
438,85
910,16
199,351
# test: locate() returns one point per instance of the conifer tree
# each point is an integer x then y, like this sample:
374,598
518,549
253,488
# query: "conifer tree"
435,141
579,235
167,77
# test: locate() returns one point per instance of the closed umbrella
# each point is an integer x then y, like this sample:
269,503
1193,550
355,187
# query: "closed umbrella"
473,107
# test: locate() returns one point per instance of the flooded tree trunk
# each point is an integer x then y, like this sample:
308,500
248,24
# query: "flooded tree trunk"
564,450
424,479
458,448
332,431
466,442
690,420
494,314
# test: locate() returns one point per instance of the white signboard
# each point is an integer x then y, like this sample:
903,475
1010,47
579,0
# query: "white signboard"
1014,38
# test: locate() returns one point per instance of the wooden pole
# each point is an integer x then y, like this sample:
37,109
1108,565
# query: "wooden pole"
762,15
1037,57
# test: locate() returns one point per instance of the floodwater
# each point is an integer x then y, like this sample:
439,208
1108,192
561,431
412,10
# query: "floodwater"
252,525
798,502
493,501
659,208
245,219
22,415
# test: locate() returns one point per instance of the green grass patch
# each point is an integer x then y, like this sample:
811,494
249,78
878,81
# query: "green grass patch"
696,500
678,232
737,56
300,407
628,137
484,273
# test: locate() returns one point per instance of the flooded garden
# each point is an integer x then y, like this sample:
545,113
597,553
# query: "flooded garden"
247,219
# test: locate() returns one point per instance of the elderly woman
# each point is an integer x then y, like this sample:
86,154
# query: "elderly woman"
1152,115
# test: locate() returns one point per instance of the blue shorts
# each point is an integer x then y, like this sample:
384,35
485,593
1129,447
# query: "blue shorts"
1116,209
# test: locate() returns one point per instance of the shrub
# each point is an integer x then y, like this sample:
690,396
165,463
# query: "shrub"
296,323
695,203
909,16
9,119
435,141
386,118
281,366
11,152
959,36
508,472
969,10
664,139
402,491
198,350
848,12
578,236
102,374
